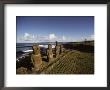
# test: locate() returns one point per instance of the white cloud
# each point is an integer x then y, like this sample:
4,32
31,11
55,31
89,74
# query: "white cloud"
43,38
52,36
63,38
28,37
92,37
34,38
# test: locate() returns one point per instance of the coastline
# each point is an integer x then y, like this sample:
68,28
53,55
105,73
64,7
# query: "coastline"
85,50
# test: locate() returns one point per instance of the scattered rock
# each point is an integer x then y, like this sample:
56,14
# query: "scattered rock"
21,70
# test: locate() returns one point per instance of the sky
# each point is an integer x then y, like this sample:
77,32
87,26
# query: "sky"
33,29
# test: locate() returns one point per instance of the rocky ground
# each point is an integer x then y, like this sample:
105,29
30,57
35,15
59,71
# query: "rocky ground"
77,58
73,62
70,62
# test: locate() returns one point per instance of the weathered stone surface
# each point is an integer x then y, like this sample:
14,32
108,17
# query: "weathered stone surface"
61,49
36,49
49,52
57,49
56,43
36,57
50,47
21,70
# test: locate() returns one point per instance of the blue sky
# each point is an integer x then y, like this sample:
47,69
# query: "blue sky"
52,28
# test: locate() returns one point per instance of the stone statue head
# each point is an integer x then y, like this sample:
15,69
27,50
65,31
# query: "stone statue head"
36,49
49,46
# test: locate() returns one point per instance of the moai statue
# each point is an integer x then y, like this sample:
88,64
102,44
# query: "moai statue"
56,43
36,57
38,48
61,49
49,53
57,49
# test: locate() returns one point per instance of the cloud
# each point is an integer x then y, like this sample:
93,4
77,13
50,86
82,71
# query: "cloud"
28,37
63,38
52,36
92,37
34,38
43,38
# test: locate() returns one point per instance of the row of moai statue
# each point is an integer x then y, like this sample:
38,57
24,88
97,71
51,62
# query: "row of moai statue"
36,56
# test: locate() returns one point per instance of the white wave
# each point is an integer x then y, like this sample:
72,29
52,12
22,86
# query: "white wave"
27,51
46,46
53,46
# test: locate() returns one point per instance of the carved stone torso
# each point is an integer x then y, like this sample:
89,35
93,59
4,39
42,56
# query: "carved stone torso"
36,56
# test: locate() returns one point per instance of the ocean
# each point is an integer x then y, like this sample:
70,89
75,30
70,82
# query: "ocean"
24,49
